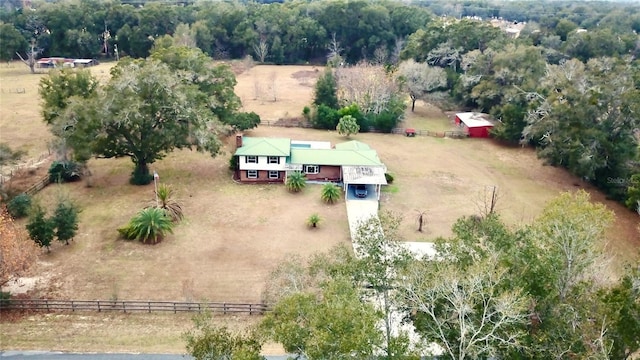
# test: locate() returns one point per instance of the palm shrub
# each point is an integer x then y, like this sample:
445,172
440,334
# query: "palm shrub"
168,204
314,220
150,225
296,181
330,193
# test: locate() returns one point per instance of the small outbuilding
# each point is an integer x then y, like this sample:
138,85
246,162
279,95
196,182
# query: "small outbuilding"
474,124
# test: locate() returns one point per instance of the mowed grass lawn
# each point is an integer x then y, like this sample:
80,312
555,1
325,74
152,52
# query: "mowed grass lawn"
234,235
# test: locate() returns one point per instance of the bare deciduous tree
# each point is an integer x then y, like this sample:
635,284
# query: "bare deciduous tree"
31,60
487,201
420,79
572,228
261,49
469,313
290,277
333,57
394,57
273,85
184,36
367,86
380,55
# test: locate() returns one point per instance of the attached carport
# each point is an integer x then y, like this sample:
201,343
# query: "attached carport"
371,176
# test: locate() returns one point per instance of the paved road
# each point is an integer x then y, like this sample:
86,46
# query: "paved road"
44,355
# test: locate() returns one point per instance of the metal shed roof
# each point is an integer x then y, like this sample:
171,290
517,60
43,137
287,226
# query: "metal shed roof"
474,119
365,175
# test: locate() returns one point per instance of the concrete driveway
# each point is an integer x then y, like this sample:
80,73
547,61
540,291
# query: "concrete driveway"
360,210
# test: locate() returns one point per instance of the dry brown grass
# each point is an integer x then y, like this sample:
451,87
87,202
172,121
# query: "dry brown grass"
233,235
21,124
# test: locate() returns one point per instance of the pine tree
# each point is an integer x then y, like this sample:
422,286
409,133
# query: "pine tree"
326,90
65,220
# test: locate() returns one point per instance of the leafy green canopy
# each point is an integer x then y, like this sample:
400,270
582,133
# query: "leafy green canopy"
148,109
347,125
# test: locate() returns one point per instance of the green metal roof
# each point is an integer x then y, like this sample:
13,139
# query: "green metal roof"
264,147
353,145
335,157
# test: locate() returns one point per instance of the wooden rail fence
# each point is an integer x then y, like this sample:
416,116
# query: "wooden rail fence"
39,185
456,134
130,306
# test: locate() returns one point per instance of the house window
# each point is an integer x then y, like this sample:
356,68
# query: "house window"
251,160
311,169
274,174
252,174
273,160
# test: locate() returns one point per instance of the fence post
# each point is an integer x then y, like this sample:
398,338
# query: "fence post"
46,301
124,307
174,308
149,303
224,308
99,310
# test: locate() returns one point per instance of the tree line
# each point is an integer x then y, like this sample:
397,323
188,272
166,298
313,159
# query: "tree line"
291,31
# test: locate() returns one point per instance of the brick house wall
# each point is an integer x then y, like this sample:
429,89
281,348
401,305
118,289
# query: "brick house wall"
327,172
263,176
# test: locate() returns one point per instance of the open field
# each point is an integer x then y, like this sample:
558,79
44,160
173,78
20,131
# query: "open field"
233,235
21,126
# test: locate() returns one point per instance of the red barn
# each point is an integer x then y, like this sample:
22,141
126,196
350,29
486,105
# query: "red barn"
475,124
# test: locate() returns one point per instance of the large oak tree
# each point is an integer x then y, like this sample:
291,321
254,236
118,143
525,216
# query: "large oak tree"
151,107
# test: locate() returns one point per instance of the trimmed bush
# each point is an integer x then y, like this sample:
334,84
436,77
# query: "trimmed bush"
233,163
389,178
64,171
19,206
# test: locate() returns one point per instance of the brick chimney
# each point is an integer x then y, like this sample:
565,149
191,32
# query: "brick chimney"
238,140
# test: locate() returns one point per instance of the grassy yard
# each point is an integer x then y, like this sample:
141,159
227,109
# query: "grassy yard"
233,235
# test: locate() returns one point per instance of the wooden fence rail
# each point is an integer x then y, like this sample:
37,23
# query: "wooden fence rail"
456,134
130,306
39,185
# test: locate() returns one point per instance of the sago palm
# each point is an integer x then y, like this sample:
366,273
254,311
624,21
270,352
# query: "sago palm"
330,193
296,181
168,204
314,220
150,225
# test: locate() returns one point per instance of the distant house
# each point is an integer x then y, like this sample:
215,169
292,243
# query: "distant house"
474,124
271,159
54,62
